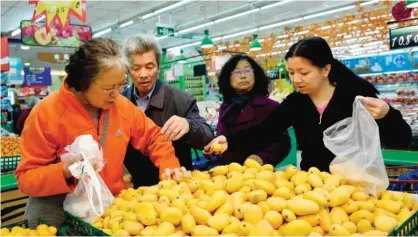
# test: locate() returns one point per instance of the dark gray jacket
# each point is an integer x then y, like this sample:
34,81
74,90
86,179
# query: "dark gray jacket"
165,102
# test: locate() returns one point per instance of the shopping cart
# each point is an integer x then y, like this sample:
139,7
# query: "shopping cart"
404,179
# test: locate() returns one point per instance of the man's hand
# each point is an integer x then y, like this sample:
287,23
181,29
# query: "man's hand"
175,128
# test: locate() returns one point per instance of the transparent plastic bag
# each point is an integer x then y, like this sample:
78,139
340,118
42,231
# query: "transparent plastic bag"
91,197
356,143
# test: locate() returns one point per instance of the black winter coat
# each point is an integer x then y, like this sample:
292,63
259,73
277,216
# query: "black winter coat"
299,111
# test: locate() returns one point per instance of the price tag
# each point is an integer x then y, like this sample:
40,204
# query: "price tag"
403,37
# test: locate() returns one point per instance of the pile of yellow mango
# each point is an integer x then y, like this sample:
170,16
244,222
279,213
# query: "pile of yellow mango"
253,200
41,230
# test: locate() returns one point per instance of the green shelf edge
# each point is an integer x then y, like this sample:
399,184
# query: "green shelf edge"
8,182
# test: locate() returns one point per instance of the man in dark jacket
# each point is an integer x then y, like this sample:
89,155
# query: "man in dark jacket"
172,109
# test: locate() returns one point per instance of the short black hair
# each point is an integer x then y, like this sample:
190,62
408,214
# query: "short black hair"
90,59
261,83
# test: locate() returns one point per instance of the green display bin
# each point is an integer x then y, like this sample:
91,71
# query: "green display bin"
75,226
9,163
408,228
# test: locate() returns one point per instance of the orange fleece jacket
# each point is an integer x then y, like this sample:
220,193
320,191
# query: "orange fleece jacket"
60,118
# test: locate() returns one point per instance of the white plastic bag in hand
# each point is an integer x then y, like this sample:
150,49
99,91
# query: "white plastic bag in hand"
87,145
356,143
91,197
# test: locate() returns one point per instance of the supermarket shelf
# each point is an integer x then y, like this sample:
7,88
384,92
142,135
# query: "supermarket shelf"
8,182
395,157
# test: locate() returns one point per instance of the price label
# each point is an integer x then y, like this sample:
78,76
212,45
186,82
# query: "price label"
403,37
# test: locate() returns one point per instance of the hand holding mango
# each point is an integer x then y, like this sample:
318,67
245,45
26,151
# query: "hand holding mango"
217,146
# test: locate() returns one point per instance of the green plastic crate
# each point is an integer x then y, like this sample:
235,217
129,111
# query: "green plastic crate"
9,163
408,228
78,227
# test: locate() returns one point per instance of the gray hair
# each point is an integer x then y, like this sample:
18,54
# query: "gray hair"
33,101
141,44
92,58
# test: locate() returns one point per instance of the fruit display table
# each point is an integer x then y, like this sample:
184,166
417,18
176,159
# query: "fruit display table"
13,202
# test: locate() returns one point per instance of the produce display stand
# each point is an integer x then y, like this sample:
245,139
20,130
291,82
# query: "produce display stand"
77,227
399,157
25,224
410,226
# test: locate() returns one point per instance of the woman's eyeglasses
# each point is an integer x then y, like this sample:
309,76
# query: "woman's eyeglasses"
118,88
238,73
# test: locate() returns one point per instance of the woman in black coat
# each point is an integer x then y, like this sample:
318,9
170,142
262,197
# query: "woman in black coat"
326,90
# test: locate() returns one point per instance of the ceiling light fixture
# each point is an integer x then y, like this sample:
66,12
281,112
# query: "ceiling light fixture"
206,41
286,22
15,32
255,45
108,30
126,24
166,9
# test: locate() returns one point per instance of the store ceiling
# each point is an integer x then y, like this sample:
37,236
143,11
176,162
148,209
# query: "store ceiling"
104,14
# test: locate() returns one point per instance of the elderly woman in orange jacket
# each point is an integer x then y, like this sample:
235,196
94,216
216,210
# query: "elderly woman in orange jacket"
88,102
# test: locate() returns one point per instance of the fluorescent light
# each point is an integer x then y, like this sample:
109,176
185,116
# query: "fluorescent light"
165,9
240,33
126,23
328,12
24,47
27,64
369,3
162,37
280,23
15,32
194,28
275,4
216,39
236,15
102,32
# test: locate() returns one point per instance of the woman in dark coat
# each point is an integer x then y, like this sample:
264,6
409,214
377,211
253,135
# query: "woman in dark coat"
245,119
326,90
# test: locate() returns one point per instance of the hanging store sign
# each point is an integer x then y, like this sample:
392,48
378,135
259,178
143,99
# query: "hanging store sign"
5,65
403,37
60,10
35,34
37,76
15,72
58,58
163,30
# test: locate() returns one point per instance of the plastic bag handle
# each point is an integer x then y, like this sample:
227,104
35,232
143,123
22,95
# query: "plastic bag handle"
95,185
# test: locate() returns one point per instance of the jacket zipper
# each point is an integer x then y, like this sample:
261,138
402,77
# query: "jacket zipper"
320,119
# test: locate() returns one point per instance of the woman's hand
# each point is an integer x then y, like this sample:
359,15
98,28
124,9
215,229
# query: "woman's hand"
217,146
256,158
72,160
377,108
176,172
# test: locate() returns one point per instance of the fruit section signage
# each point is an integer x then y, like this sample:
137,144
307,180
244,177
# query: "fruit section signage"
37,76
35,34
59,10
384,63
403,37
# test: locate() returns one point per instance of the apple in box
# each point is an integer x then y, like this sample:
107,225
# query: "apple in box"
42,37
